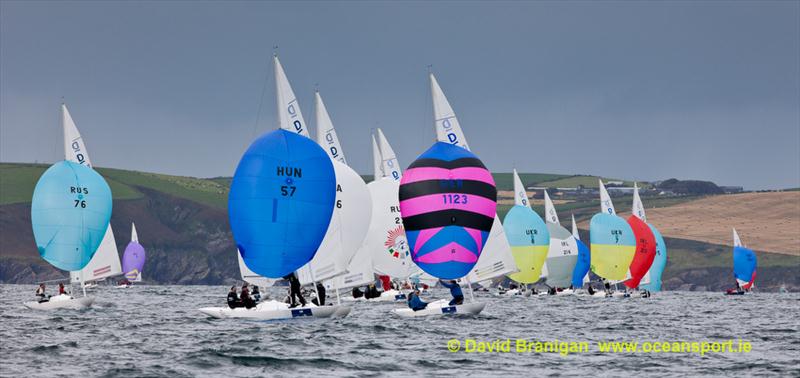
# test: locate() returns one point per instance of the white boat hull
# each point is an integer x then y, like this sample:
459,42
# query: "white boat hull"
441,307
274,310
61,301
386,296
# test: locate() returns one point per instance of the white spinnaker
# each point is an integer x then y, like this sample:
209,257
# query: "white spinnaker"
391,167
605,200
638,208
386,238
105,262
377,161
496,259
520,195
737,242
346,231
252,277
561,256
550,214
448,129
326,134
289,116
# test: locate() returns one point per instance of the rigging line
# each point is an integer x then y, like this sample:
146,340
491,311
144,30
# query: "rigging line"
261,100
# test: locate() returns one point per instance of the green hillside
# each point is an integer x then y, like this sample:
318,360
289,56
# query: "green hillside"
18,180
575,181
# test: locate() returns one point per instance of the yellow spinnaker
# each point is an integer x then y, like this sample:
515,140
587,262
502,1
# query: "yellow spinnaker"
529,260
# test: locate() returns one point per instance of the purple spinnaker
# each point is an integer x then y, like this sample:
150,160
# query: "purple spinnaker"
133,261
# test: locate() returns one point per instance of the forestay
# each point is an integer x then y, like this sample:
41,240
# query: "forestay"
105,262
496,260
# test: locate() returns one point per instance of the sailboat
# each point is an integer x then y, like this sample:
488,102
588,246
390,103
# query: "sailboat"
387,235
281,203
744,267
613,242
562,254
133,258
645,243
651,282
528,236
448,200
70,211
497,259
105,263
352,213
580,275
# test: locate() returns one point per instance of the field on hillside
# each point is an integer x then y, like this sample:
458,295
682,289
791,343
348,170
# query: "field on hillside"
17,182
574,181
765,221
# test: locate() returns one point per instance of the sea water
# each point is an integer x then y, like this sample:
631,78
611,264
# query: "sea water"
157,331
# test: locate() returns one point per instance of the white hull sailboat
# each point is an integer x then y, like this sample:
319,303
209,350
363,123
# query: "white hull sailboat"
61,301
273,310
441,307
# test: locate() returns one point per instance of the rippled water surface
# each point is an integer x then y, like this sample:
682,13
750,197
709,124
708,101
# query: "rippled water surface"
157,331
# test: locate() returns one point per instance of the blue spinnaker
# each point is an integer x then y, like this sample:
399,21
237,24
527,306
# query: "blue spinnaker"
70,211
744,266
281,201
582,265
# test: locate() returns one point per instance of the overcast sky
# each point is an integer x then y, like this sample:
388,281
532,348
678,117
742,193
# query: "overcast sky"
636,90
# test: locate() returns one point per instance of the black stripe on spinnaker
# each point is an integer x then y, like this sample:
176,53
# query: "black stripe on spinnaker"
438,163
423,188
448,218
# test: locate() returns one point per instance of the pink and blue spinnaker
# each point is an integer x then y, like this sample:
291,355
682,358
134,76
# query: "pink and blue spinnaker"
448,201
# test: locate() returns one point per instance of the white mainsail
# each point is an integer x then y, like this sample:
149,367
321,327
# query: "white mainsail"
74,147
496,259
550,214
377,161
326,134
737,242
348,227
638,208
520,195
386,239
105,262
605,200
252,277
289,116
346,231
575,229
447,127
390,165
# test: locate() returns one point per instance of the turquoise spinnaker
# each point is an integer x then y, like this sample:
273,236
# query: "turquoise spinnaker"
281,202
70,211
659,263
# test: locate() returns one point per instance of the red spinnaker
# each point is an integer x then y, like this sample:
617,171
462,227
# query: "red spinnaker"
645,251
